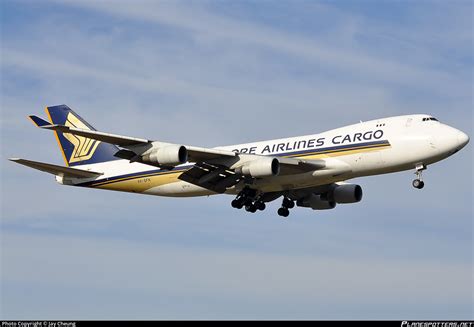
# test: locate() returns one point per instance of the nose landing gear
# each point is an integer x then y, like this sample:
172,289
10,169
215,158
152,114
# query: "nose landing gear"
418,182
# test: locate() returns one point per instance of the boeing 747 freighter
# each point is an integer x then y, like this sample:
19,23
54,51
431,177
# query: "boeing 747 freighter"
307,171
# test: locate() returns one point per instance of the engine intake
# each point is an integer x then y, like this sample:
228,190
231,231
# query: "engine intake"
264,167
169,155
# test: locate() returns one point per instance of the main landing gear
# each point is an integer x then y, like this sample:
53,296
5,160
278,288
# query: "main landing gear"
247,198
418,182
286,204
252,202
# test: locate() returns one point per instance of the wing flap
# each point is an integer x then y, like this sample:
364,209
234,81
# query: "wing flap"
212,177
56,170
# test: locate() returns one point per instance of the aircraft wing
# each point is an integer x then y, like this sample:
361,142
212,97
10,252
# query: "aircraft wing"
218,177
214,169
104,137
211,176
195,154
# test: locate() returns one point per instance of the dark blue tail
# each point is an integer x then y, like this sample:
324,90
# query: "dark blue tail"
78,150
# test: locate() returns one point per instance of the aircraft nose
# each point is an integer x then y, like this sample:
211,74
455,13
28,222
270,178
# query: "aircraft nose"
463,139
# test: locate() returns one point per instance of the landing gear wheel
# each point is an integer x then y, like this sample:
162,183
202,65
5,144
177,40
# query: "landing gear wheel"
284,212
260,205
251,208
248,202
237,204
419,184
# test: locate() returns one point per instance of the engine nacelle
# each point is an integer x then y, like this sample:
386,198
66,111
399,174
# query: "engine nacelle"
346,193
315,202
264,167
168,155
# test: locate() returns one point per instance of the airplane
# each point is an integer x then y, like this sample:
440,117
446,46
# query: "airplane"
307,171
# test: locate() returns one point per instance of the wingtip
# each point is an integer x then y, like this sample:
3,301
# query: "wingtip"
37,121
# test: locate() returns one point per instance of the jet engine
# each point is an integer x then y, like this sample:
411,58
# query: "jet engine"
315,202
168,155
264,167
346,193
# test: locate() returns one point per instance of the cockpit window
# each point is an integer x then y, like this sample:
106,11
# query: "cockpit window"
430,118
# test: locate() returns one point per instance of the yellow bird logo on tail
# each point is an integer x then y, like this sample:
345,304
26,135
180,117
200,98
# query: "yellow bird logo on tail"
84,148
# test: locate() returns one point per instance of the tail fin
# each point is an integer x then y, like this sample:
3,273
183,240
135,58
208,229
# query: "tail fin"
78,150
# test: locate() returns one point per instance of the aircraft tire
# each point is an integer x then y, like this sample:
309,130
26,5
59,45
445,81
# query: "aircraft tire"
260,206
418,184
237,204
251,208
284,212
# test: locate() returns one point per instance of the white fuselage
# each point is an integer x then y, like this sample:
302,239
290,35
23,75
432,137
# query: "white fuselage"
367,148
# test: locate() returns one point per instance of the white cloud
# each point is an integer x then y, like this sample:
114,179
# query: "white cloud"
221,30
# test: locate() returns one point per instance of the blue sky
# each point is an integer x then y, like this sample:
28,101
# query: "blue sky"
212,73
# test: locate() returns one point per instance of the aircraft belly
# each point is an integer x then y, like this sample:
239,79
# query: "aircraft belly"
179,189
310,179
163,184
351,165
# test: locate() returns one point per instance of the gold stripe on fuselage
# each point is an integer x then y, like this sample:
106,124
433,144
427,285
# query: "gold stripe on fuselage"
338,153
143,182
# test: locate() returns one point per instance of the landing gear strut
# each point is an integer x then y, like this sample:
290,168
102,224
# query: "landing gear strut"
286,204
418,182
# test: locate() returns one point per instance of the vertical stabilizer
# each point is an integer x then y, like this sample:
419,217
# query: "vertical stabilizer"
78,150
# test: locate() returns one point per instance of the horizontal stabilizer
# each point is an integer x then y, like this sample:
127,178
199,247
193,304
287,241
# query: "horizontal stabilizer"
56,170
